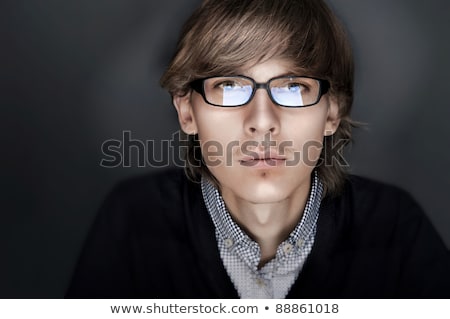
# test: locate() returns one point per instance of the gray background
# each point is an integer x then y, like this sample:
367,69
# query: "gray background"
76,73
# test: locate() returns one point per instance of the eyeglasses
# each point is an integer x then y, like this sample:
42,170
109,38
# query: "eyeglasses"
288,91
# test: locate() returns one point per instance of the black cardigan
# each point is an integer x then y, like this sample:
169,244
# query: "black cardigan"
153,238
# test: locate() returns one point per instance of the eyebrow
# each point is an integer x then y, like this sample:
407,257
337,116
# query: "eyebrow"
297,71
287,74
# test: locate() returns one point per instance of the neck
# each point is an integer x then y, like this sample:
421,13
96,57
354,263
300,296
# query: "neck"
269,224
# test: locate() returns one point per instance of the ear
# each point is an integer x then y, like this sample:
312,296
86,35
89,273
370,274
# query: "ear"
333,118
186,117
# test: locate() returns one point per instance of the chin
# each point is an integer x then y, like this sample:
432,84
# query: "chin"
261,186
265,193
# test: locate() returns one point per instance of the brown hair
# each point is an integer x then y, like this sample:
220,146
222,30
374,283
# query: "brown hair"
223,35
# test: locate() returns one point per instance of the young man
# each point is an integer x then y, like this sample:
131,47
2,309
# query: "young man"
263,89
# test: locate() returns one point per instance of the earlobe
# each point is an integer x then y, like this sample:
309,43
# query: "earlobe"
186,118
333,118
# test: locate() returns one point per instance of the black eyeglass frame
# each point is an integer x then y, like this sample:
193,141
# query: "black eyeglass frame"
199,86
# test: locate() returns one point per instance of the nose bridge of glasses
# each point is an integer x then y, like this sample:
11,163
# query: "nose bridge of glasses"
264,86
261,85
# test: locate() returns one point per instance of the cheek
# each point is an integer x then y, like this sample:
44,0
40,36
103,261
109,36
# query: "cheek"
306,133
217,133
213,152
214,124
214,132
305,126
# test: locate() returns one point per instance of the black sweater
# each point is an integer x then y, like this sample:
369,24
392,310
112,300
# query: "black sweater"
153,238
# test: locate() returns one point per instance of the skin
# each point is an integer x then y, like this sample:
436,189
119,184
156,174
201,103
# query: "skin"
265,194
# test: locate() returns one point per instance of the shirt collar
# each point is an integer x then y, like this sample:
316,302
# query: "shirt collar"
235,238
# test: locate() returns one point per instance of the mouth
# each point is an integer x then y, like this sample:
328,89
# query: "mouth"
263,160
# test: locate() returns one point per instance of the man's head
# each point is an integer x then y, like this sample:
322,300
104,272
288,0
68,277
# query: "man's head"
264,39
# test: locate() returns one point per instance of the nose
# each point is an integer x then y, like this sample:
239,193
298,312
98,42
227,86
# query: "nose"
262,115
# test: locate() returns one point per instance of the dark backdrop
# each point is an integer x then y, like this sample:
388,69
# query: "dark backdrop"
77,73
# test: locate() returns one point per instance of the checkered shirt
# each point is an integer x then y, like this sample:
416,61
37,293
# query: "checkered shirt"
241,255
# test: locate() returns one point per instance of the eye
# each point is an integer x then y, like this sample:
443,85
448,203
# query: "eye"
294,87
227,85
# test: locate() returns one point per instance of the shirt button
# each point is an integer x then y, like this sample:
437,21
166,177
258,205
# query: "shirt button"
260,282
300,242
228,242
287,248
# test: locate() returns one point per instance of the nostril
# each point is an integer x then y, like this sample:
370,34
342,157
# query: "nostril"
254,130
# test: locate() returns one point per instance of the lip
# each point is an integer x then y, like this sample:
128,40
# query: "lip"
263,160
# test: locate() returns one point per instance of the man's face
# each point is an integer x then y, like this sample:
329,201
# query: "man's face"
259,152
